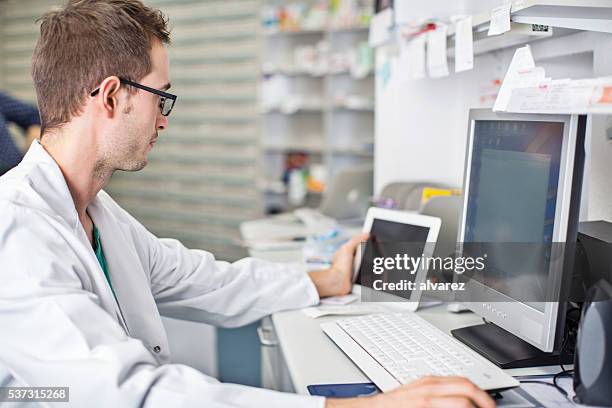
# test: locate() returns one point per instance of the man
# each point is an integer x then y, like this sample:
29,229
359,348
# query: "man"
83,282
23,115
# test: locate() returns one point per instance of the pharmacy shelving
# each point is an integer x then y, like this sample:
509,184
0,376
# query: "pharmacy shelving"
560,17
324,108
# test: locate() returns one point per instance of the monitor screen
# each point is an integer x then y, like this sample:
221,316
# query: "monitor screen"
512,198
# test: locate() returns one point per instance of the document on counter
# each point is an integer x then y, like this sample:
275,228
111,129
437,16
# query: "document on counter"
345,310
437,63
522,73
500,19
339,300
464,45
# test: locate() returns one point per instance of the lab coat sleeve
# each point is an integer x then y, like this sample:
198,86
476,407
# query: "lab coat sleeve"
190,284
55,333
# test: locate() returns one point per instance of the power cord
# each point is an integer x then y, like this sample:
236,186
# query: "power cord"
571,325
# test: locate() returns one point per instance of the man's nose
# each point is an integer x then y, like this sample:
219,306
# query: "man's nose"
162,122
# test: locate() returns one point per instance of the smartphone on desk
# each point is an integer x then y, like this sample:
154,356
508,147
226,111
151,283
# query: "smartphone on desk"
343,390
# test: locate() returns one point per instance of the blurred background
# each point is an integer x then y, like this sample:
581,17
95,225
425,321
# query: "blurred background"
268,91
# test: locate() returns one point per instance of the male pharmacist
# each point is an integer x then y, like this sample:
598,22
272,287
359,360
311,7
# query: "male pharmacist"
83,283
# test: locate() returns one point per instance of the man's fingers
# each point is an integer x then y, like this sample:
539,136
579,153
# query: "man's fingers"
452,387
357,239
429,380
450,402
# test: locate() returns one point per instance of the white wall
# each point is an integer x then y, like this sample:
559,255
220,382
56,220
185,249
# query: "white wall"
600,154
421,125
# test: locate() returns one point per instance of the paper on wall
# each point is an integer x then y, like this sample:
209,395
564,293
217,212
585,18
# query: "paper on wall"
500,19
527,90
464,45
564,96
522,73
380,27
417,61
437,63
601,100
411,60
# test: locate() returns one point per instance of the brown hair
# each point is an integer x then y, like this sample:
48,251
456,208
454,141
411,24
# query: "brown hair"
85,42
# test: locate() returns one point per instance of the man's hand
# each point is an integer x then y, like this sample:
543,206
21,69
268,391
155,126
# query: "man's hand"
430,392
337,280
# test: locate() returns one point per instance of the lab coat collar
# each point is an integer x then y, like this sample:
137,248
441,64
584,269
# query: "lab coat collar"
56,193
136,311
57,201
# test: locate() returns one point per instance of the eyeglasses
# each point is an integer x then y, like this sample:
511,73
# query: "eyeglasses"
166,100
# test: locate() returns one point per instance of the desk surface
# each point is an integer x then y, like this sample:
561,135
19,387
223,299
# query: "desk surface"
312,358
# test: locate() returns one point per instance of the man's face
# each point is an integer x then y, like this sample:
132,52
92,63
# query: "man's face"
141,118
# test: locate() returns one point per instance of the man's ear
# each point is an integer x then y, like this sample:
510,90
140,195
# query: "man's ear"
108,97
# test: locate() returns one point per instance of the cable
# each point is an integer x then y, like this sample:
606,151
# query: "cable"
559,375
554,384
572,328
561,390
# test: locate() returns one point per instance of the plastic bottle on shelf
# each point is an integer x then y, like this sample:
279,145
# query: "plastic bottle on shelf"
297,187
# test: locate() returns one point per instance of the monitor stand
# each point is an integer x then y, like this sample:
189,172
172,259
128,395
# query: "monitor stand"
505,349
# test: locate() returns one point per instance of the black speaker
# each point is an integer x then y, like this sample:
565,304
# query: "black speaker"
593,357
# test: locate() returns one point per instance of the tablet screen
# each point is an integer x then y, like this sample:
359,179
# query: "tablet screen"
388,239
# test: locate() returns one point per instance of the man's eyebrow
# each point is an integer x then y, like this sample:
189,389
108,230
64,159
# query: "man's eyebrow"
166,87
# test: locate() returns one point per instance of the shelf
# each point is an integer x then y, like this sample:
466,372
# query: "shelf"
564,16
352,152
340,77
320,109
273,33
294,72
278,187
298,148
357,29
273,191
306,109
589,15
343,107
516,37
311,74
319,31
348,72
586,15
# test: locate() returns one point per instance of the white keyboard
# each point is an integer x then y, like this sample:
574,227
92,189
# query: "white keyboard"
394,349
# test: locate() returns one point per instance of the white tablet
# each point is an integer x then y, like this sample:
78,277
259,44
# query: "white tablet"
418,232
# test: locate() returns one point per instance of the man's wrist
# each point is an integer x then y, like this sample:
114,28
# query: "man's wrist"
321,279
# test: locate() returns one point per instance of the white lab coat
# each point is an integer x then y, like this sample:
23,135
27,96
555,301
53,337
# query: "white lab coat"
61,326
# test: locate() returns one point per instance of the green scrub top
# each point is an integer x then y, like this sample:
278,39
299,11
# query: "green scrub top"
101,258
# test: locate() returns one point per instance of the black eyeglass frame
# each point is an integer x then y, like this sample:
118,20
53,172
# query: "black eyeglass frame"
161,94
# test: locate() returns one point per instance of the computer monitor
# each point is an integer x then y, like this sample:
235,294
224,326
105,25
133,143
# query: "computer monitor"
522,186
